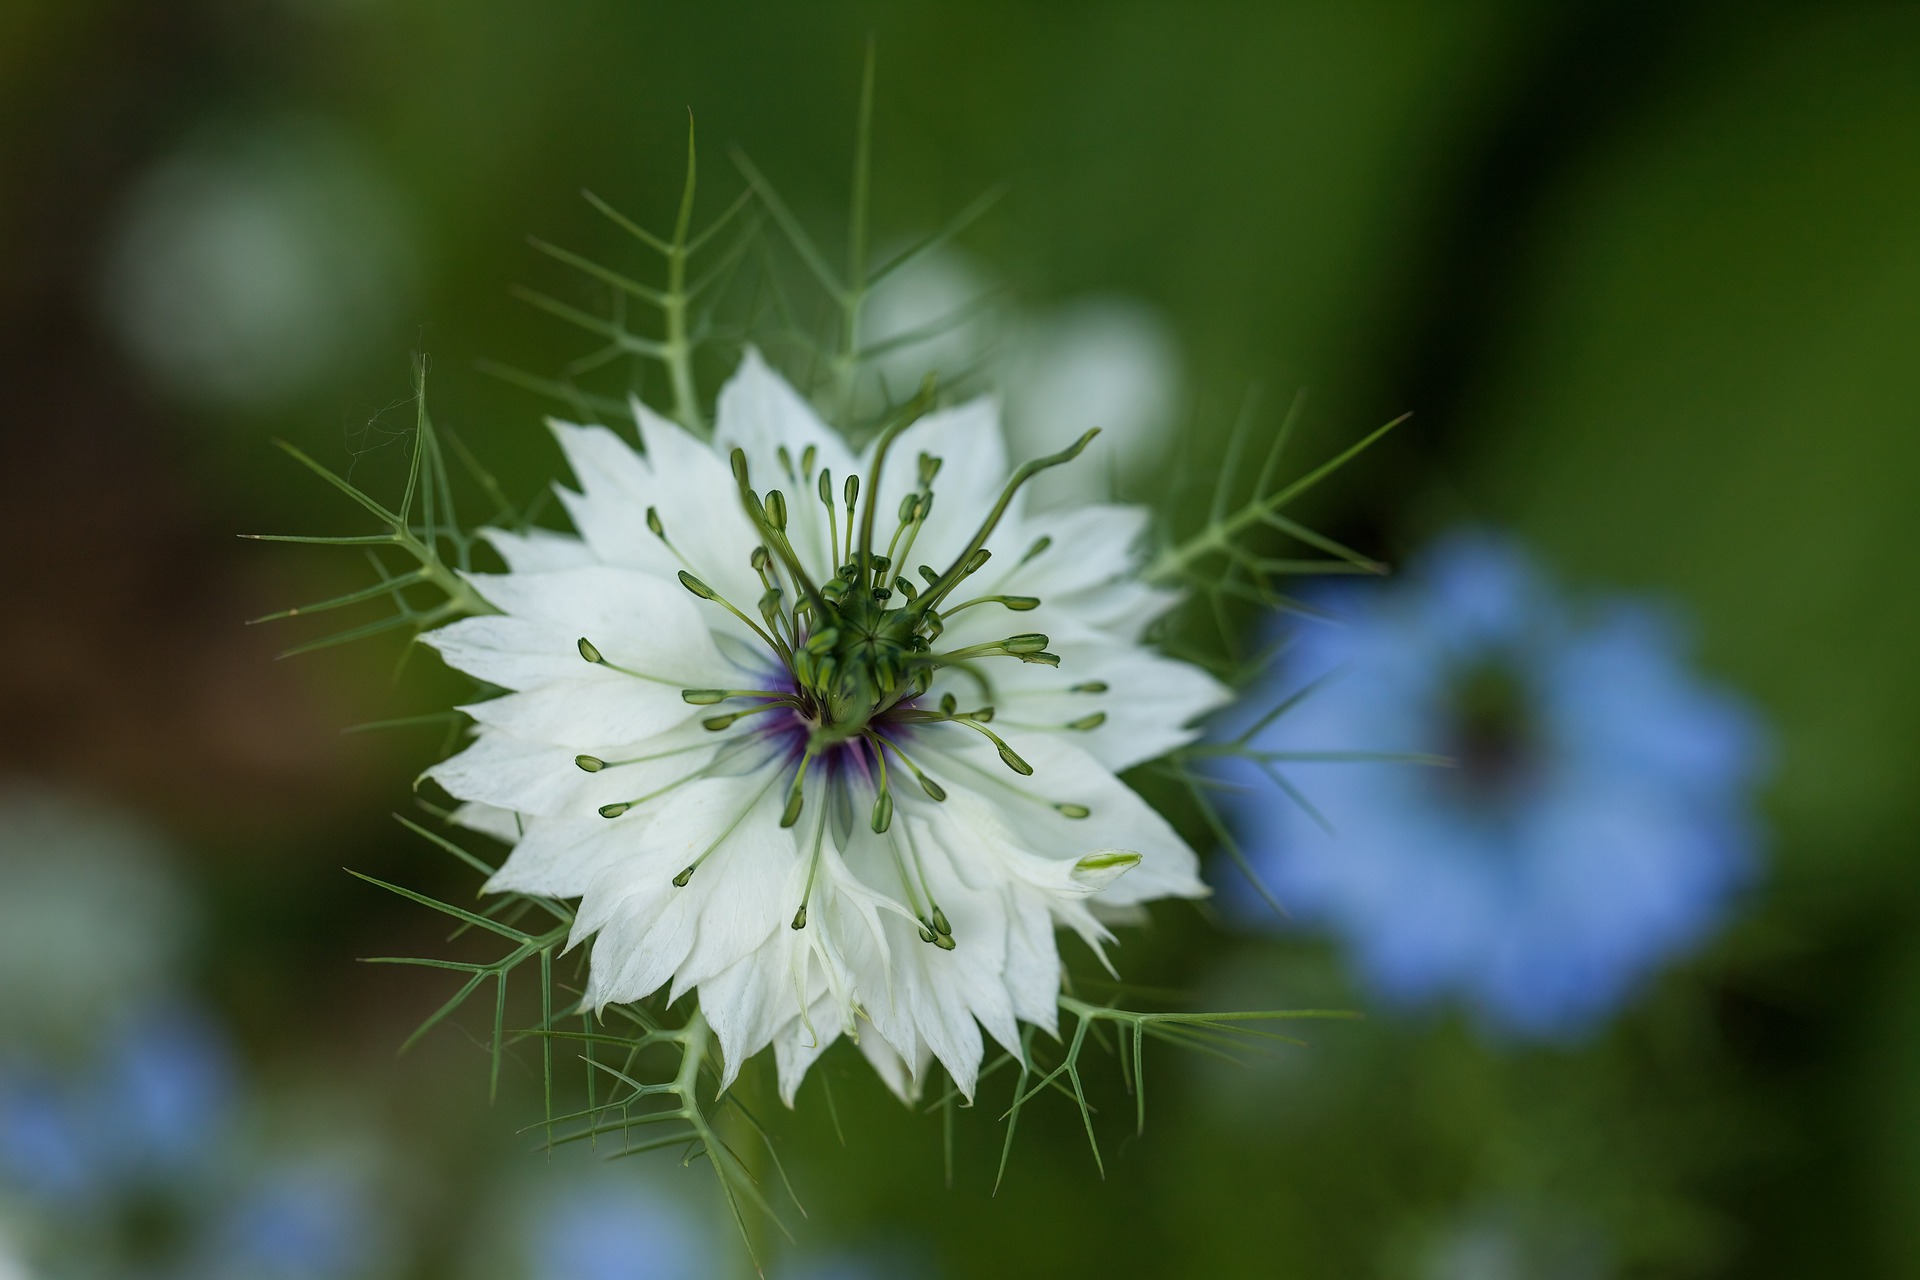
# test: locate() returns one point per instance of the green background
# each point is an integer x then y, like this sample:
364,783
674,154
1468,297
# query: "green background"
1647,275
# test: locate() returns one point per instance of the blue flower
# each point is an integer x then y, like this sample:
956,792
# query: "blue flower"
610,1229
1594,821
148,1111
297,1222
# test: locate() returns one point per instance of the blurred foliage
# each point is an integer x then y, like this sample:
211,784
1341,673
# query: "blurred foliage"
1646,275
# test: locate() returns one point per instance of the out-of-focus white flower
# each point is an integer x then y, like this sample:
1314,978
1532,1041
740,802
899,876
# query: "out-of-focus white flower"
833,793
91,921
11,1267
1503,1242
1096,362
1100,361
252,262
929,317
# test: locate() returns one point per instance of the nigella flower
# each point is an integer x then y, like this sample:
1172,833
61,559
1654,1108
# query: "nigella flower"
829,738
1593,821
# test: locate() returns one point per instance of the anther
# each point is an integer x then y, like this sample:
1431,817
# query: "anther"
929,468
1020,604
703,697
653,523
800,917
882,812
796,793
1013,761
948,703
1031,642
692,584
588,652
807,455
940,924
926,934
760,559
739,460
614,810
933,789
851,490
905,587
680,881
1040,545
1044,659
1089,686
1084,723
1073,810
590,764
785,458
717,723
777,509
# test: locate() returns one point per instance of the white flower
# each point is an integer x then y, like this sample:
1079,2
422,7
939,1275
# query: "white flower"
777,769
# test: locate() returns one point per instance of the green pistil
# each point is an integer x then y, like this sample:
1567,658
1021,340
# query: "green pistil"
813,869
933,789
708,697
953,575
833,515
594,764
1019,604
706,592
680,881
796,792
591,652
883,794
726,721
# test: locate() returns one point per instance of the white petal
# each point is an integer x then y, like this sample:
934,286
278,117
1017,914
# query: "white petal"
1065,773
681,479
655,930
587,715
799,1044
901,1072
644,623
973,453
1151,702
512,774
539,550
501,824
746,1003
562,857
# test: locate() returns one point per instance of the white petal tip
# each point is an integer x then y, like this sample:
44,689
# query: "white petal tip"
1102,867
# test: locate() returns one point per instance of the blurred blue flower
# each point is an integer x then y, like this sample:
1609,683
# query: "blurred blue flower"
150,1108
298,1222
1595,819
615,1230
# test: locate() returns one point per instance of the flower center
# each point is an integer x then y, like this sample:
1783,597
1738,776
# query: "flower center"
857,654
1491,728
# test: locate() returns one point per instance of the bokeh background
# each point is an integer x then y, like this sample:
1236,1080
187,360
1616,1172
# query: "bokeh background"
1646,274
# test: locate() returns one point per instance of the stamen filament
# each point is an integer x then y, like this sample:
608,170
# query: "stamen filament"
813,869
951,578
